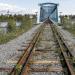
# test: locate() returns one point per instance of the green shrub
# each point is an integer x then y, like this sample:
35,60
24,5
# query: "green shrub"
14,32
11,25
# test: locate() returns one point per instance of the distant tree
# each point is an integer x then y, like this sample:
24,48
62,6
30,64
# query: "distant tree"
19,17
26,22
3,18
11,17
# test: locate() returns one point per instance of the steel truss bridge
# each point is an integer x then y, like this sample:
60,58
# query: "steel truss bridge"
48,10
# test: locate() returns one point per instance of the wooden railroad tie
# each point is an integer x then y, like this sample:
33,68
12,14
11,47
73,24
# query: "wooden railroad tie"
46,70
44,62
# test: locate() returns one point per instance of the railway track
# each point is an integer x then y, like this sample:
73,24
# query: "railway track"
47,54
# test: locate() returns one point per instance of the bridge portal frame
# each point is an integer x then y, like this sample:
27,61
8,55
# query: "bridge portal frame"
53,14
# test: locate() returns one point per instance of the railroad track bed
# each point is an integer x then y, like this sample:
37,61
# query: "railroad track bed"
46,54
12,51
45,59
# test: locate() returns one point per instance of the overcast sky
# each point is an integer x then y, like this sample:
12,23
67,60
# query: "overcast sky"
31,6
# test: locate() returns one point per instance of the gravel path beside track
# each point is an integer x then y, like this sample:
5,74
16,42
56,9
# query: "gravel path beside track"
9,50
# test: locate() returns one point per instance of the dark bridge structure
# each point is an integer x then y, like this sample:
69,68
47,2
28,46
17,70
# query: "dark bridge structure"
48,10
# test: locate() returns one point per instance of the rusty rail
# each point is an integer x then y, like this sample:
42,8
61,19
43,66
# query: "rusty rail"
64,51
21,66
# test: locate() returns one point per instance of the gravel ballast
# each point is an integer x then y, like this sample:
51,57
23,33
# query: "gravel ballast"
9,51
68,38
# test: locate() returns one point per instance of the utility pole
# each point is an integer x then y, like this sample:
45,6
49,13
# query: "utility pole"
36,16
60,17
8,13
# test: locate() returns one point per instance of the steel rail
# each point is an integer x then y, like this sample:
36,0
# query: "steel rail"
63,48
22,63
23,70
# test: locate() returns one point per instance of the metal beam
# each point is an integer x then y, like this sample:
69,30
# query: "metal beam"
41,4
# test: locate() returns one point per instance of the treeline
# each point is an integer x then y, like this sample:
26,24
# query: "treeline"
16,17
26,21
